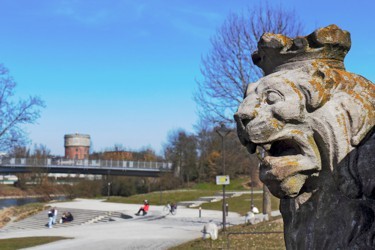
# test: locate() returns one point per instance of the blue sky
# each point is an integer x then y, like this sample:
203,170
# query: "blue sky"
124,71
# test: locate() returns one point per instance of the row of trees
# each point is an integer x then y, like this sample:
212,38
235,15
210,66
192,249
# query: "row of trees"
198,157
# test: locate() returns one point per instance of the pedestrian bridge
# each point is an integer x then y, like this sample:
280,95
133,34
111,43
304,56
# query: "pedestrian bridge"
96,167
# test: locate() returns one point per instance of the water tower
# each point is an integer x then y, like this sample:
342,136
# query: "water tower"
77,146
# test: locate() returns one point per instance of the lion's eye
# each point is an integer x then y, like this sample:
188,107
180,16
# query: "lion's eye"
273,97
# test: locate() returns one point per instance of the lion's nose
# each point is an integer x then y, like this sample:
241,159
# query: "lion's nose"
245,121
242,119
247,110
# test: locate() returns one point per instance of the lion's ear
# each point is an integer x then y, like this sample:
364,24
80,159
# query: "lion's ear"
251,87
314,90
360,123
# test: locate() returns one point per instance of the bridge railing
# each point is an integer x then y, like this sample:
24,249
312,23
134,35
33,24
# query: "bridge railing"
25,161
48,162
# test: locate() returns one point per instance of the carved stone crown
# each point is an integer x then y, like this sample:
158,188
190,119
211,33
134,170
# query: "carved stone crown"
276,51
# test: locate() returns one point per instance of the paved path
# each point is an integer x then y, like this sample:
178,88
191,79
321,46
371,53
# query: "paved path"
153,231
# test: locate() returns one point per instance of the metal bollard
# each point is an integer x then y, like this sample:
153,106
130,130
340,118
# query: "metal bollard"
226,209
200,212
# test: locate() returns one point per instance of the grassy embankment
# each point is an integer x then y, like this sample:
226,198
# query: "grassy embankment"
46,191
19,212
10,191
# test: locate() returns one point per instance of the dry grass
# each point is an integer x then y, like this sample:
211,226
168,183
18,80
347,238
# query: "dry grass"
7,190
44,190
244,239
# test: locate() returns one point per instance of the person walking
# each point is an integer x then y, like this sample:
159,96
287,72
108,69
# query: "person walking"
50,218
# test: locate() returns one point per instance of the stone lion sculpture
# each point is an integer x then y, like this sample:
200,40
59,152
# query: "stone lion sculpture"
315,122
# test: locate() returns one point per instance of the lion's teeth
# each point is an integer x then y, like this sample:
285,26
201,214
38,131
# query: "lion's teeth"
261,153
266,147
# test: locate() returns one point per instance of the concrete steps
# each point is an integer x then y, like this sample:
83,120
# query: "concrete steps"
81,217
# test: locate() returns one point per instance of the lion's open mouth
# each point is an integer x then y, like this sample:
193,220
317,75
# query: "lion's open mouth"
283,148
276,148
289,160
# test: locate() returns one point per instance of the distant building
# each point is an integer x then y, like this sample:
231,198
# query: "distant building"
77,146
118,155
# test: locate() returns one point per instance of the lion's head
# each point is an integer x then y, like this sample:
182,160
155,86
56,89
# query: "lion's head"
307,113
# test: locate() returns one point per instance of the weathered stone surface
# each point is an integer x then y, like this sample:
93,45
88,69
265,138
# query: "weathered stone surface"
316,122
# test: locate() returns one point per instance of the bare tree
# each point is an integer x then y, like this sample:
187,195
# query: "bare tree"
181,150
228,68
13,113
41,151
40,174
19,152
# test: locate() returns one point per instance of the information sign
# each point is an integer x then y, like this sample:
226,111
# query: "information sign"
222,180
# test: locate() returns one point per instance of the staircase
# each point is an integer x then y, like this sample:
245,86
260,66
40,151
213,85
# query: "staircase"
81,217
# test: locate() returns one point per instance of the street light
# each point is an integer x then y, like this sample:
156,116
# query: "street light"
223,132
252,187
109,189
252,192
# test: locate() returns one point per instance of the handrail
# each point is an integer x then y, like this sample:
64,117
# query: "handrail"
110,164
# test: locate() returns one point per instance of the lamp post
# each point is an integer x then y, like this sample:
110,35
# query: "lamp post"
109,189
252,187
266,194
252,192
223,132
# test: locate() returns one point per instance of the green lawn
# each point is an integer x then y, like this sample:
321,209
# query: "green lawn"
241,204
18,243
198,190
235,185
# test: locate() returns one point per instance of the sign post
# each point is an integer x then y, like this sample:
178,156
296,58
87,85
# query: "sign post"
223,132
223,180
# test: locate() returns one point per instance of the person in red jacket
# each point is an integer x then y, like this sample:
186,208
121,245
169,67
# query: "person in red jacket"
144,208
